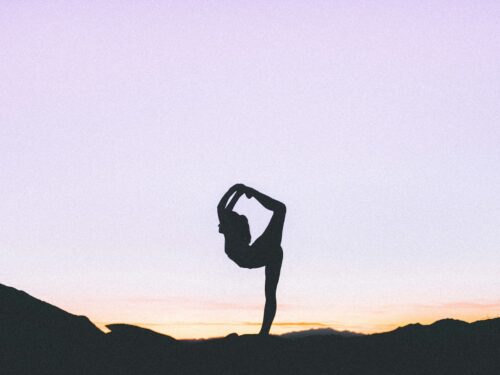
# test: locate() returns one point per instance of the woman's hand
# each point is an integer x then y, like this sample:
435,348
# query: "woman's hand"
248,192
243,189
238,187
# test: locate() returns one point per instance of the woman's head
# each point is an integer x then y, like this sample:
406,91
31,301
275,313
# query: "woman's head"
236,226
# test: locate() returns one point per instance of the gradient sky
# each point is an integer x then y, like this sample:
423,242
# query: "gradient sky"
377,123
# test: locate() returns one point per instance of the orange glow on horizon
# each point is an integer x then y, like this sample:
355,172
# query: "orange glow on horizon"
204,330
189,321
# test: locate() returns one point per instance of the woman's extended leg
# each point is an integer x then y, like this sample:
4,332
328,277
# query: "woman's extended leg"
272,277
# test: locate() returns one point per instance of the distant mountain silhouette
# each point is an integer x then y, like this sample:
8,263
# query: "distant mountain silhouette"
139,335
319,332
38,338
449,326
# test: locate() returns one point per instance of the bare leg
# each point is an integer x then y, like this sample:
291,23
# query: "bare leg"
272,277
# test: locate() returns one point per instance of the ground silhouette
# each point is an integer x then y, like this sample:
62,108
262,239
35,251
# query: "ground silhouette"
38,338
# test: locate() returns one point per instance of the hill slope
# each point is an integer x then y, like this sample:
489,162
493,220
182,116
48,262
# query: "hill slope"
38,338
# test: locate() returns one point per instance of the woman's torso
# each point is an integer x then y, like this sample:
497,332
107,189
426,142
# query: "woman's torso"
258,254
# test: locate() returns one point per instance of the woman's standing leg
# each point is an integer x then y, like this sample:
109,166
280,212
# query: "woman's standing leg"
273,270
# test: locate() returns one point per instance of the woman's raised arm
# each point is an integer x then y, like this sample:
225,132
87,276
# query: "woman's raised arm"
223,206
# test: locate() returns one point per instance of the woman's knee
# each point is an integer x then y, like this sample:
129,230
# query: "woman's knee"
276,259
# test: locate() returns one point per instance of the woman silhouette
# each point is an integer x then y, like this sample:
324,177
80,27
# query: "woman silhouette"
266,251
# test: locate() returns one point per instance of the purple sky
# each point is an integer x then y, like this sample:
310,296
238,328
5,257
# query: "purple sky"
122,123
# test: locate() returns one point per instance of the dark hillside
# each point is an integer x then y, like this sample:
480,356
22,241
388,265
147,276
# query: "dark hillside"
38,338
